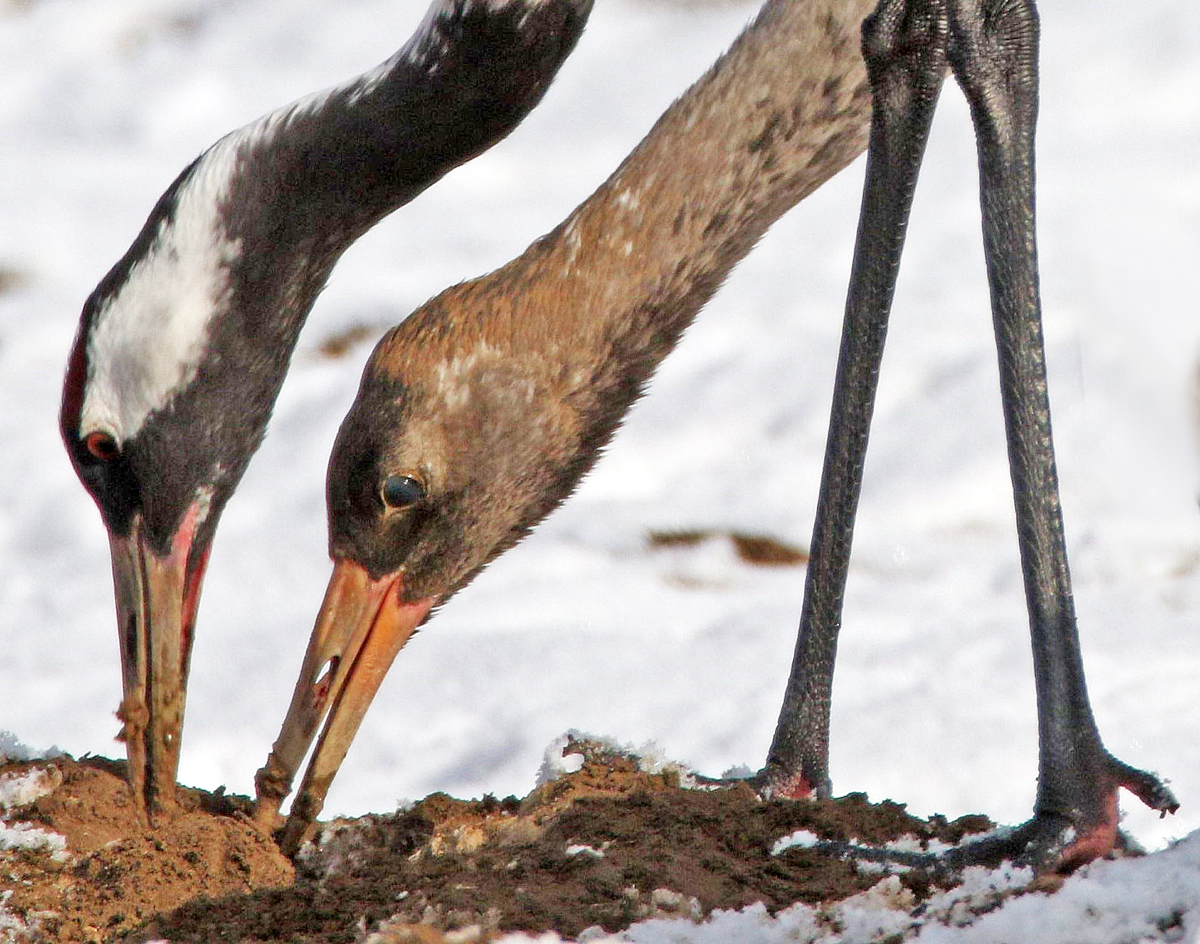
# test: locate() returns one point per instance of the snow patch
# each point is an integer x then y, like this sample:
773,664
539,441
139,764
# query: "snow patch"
17,790
10,925
801,838
34,838
650,757
1155,898
579,849
556,763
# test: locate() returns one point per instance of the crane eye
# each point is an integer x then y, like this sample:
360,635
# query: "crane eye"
400,491
101,445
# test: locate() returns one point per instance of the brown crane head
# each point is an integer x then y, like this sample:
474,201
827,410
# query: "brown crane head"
458,443
445,461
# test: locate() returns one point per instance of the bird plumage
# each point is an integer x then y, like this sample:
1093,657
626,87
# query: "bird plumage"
184,344
507,387
500,393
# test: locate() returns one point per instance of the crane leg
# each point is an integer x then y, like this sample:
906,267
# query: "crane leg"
906,62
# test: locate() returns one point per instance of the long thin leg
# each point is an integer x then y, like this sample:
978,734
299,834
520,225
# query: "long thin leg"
904,46
993,53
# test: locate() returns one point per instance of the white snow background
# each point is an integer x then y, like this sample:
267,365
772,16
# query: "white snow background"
584,625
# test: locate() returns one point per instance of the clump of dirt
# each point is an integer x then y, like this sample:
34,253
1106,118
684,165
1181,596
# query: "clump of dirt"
117,871
608,845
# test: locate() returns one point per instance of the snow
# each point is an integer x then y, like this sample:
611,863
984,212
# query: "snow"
801,838
22,789
556,761
585,625
18,790
575,849
28,836
1129,900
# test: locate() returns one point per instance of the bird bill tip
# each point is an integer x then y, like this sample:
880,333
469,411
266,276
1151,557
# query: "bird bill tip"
362,625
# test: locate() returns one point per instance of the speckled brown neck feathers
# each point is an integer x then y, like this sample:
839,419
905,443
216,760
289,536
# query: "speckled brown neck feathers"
540,360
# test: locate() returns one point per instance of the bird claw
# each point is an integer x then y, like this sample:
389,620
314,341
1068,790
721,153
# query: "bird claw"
1059,843
1146,786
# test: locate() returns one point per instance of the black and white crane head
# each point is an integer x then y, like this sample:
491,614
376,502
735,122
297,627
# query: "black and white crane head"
183,346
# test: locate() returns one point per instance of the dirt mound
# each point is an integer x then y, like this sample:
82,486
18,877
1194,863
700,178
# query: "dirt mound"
115,871
605,846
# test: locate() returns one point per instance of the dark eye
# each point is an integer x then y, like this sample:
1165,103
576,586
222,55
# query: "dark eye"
400,491
101,445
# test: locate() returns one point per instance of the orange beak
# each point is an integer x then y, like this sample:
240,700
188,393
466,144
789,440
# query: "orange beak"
156,610
360,629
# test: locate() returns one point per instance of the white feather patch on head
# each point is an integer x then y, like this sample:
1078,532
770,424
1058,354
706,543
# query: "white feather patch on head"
147,340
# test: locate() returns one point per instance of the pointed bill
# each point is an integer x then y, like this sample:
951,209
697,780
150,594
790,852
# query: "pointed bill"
156,601
361,627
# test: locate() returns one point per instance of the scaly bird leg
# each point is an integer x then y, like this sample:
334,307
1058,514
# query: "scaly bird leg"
905,50
992,48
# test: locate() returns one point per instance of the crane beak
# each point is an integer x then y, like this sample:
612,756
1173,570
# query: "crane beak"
156,610
362,625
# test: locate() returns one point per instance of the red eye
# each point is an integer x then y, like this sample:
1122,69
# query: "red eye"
101,445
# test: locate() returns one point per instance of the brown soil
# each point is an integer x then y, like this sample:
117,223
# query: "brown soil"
607,846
